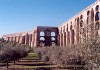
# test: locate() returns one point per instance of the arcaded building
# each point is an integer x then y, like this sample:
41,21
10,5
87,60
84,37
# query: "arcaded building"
68,33
41,35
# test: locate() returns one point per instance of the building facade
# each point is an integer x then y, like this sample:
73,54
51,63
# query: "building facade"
40,35
66,34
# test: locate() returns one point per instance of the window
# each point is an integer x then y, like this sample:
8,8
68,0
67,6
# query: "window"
53,34
42,33
97,26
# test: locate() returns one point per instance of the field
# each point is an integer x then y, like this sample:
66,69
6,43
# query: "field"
31,62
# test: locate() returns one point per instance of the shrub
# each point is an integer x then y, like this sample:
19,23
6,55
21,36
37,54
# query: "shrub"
12,51
62,55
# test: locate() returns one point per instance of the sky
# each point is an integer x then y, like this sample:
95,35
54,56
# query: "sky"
25,15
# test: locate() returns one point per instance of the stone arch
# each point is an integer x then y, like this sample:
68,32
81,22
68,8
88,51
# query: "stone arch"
71,26
53,39
42,39
88,12
81,20
42,33
97,16
88,16
97,26
97,8
42,43
81,17
53,34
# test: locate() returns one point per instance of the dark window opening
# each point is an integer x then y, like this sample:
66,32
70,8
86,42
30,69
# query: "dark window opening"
97,26
97,16
97,7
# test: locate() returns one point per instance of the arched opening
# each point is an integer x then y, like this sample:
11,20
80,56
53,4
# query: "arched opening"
77,23
42,33
97,25
64,38
23,40
97,16
70,27
88,16
42,39
97,8
53,34
53,38
67,28
68,38
81,17
88,12
81,23
72,36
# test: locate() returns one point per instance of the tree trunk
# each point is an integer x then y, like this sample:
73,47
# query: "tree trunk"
7,64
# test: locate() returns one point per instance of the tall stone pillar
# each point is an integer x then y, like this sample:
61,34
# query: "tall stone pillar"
61,39
35,39
68,37
32,42
72,37
17,39
27,39
64,39
30,39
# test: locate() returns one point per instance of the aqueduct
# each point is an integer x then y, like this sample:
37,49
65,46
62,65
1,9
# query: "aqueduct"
66,34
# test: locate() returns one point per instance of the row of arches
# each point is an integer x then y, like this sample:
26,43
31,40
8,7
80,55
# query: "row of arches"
43,39
70,34
43,33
